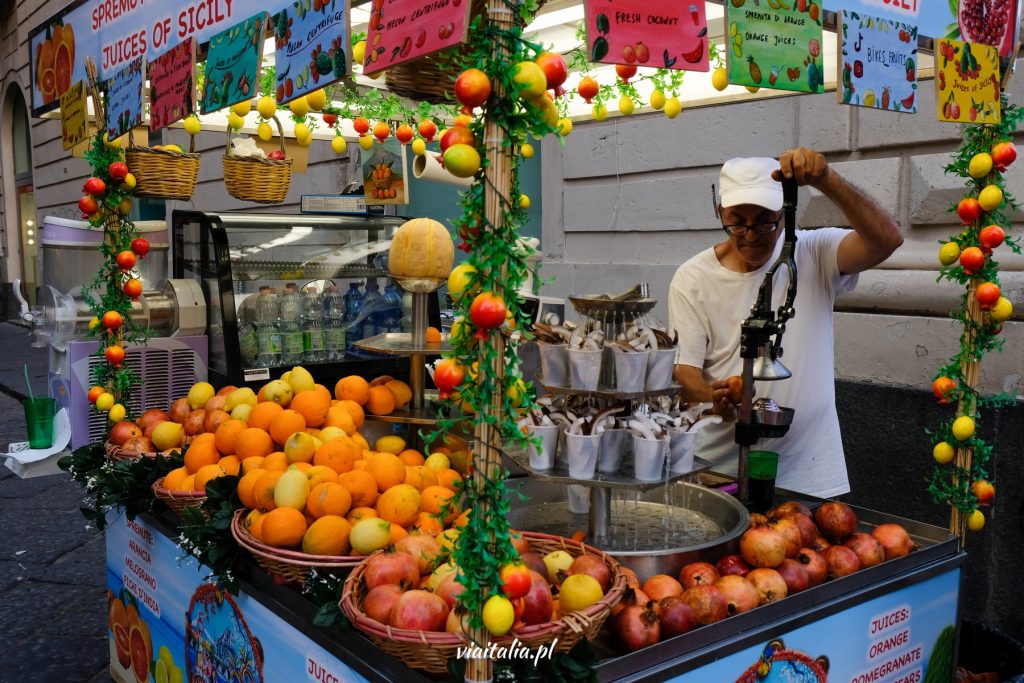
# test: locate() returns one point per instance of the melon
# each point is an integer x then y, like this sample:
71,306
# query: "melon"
421,248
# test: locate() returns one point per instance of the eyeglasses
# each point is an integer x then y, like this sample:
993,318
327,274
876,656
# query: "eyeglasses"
739,230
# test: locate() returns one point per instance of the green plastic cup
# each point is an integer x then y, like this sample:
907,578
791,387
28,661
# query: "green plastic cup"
763,466
39,414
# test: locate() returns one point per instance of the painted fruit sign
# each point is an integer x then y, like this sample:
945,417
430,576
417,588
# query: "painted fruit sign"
73,129
53,62
233,64
125,99
775,44
655,33
967,82
171,89
878,64
403,30
384,173
312,44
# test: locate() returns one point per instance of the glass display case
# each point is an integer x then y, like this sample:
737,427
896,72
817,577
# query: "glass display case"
285,290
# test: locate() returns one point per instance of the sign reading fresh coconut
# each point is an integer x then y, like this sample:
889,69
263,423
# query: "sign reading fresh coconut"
655,33
878,67
774,45
967,82
403,30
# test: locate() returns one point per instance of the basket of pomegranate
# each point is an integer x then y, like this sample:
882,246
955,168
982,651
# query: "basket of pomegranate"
404,598
786,551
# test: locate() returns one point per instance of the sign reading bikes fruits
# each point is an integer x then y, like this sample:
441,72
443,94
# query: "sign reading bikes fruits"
403,30
878,67
967,82
658,33
312,46
775,44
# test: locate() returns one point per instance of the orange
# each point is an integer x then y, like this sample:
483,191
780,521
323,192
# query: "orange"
386,469
312,405
226,436
381,401
355,410
433,335
254,523
339,454
401,391
263,413
328,499
174,478
303,467
327,536
323,391
428,523
247,486
206,474
420,477
435,497
449,479
253,442
286,423
361,440
356,514
230,464
187,484
338,416
463,519
399,504
276,462
361,485
263,490
359,464
380,380
411,457
397,533
283,527
319,474
249,464
352,388
201,452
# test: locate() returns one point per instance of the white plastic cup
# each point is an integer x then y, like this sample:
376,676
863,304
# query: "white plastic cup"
584,368
649,458
630,370
681,449
554,364
613,446
581,451
543,458
659,369
579,498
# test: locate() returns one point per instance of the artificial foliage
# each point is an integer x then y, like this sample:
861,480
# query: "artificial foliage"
956,380
206,532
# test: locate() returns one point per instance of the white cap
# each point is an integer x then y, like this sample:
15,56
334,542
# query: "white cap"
749,181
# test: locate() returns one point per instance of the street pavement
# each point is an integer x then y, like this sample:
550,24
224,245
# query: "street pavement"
52,568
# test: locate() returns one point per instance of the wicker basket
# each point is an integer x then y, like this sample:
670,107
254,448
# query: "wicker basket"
257,179
286,566
163,173
431,651
177,500
115,452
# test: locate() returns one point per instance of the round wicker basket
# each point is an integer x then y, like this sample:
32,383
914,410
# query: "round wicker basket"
115,452
177,500
163,173
431,651
257,179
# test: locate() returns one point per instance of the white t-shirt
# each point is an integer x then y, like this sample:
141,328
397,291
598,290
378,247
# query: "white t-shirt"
707,304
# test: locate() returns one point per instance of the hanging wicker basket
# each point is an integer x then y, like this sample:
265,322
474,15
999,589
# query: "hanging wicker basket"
177,500
257,179
163,173
430,651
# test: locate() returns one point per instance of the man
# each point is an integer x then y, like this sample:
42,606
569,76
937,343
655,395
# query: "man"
712,293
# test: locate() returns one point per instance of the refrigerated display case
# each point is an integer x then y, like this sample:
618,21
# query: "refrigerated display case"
236,256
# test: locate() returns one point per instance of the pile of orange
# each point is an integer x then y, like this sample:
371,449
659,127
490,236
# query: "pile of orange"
382,396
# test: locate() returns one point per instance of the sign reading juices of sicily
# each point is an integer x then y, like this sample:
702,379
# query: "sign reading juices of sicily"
403,30
171,85
775,44
879,63
656,33
233,64
311,47
73,127
124,99
967,87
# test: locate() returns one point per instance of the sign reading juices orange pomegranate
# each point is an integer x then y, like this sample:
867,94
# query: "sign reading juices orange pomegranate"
403,30
656,33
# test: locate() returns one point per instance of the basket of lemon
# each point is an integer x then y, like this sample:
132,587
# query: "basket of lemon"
163,171
258,178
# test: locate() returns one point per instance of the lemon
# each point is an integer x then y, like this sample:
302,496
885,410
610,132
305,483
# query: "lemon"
419,147
1002,310
235,121
990,198
339,145
160,674
177,675
302,131
526,150
734,29
117,413
199,394
459,279
672,107
600,112
754,88
264,131
113,144
94,323
390,444
626,105
963,427
129,181
192,125
166,657
359,52
516,392
461,160
438,462
300,447
498,615
720,79
564,127
657,99
366,142
125,206
980,165
316,99
579,591
300,379
299,107
105,401
976,520
292,488
369,534
524,201
949,253
266,106
305,142
943,453
242,108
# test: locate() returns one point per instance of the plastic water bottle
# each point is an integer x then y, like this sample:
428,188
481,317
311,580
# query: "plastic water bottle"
314,339
334,323
290,317
353,316
391,315
373,305
406,325
268,338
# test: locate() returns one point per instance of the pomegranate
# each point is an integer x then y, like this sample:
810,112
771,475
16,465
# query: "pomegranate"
676,616
138,444
633,596
762,546
740,594
895,540
661,586
216,403
789,530
835,520
707,602
869,551
808,530
214,419
840,560
814,565
152,416
631,578
124,430
636,627
378,602
988,22
757,519
421,547
820,543
538,605
535,562
226,390
593,566
457,621
789,507
769,584
180,410
796,577
519,542
732,565
697,573
391,566
419,610
193,423
449,590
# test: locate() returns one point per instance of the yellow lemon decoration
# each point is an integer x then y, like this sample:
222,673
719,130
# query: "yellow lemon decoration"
192,125
1002,310
524,201
672,107
129,182
339,145
943,453
302,131
242,108
359,52
963,427
980,165
498,615
564,127
600,112
527,150
626,105
105,402
316,99
658,99
976,520
264,131
299,107
419,147
366,142
720,79
990,198
266,106
117,413
949,253
235,121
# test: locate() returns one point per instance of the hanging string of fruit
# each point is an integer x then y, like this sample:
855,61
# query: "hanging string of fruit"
960,478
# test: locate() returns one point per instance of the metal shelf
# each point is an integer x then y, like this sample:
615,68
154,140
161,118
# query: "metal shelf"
400,344
612,394
622,480
426,415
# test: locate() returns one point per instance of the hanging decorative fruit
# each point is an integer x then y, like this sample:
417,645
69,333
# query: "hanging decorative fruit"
530,80
472,88
457,135
381,131
983,491
112,320
1001,310
448,376
126,260
95,392
943,387
88,205
487,311
94,186
972,259
428,129
554,68
404,133
361,124
625,71
140,245
1003,154
949,253
587,88
133,288
987,295
969,210
990,198
114,355
991,237
330,120
117,170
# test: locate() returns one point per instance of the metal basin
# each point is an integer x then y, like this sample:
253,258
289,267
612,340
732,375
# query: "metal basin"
645,534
